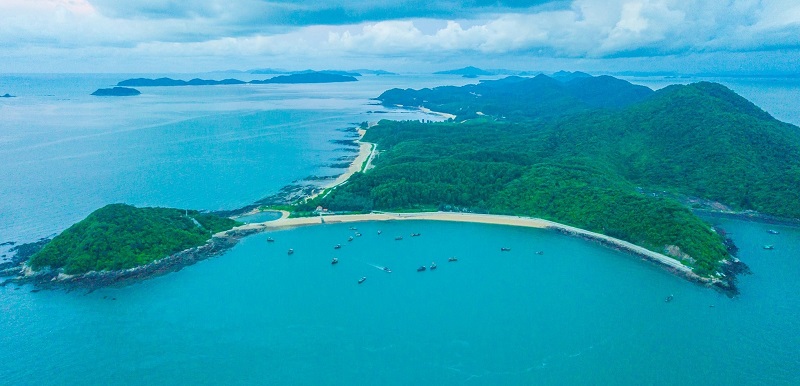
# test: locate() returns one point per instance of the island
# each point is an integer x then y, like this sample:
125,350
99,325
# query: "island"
6,95
469,71
308,77
116,91
590,156
302,77
167,82
121,241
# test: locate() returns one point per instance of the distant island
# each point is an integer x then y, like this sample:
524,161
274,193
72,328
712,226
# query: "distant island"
354,73
6,96
166,82
469,71
305,77
311,77
116,91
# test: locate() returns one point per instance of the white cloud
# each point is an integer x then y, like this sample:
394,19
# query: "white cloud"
255,30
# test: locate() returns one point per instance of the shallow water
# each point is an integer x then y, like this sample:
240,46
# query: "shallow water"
66,153
580,313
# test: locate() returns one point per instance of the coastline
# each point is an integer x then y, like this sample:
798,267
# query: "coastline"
662,260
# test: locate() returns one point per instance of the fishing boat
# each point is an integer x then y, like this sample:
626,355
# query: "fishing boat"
362,279
291,251
540,252
773,232
270,240
416,234
335,261
452,259
504,249
350,238
337,246
769,246
353,228
433,266
379,232
668,298
387,269
421,268
398,238
358,234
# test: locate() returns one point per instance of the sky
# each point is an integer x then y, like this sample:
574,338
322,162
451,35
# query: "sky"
140,36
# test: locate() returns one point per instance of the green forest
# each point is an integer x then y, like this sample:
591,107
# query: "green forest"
594,167
120,236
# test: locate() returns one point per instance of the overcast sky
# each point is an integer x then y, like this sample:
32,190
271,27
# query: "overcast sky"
740,36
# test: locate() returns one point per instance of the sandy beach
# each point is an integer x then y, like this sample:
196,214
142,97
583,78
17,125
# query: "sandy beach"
365,154
441,114
530,222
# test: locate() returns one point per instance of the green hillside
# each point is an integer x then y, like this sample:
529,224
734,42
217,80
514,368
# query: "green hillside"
120,236
591,168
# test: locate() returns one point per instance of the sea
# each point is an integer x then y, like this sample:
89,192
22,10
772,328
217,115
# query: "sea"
576,314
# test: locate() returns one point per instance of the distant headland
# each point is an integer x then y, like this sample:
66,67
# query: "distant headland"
309,77
116,91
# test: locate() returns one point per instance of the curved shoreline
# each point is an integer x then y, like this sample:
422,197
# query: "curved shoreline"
662,260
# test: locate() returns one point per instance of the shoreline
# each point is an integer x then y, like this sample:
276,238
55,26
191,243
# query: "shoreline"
661,260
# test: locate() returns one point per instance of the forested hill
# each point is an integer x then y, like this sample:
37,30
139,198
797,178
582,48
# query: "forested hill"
701,140
591,168
528,98
120,236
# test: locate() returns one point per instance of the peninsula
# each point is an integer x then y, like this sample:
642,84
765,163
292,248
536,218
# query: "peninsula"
594,157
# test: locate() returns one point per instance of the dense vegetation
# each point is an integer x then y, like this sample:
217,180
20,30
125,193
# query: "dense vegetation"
591,167
121,236
520,98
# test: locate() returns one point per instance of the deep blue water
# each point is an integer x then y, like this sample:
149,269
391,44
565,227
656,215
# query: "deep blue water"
578,314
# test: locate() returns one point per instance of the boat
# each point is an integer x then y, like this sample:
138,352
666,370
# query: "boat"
540,252
350,238
769,246
421,268
452,259
338,246
353,228
358,234
433,266
335,261
270,240
291,251
504,249
362,279
379,232
773,232
668,298
398,238
416,234
387,269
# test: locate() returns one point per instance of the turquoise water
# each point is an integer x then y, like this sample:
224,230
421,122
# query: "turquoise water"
578,314
66,153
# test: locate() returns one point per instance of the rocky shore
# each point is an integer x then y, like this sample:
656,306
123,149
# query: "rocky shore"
51,279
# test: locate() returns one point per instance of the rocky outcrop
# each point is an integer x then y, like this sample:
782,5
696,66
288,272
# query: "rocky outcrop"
52,279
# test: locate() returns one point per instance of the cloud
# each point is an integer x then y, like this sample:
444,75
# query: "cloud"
242,31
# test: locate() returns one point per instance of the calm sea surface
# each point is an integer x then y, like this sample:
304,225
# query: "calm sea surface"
578,314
